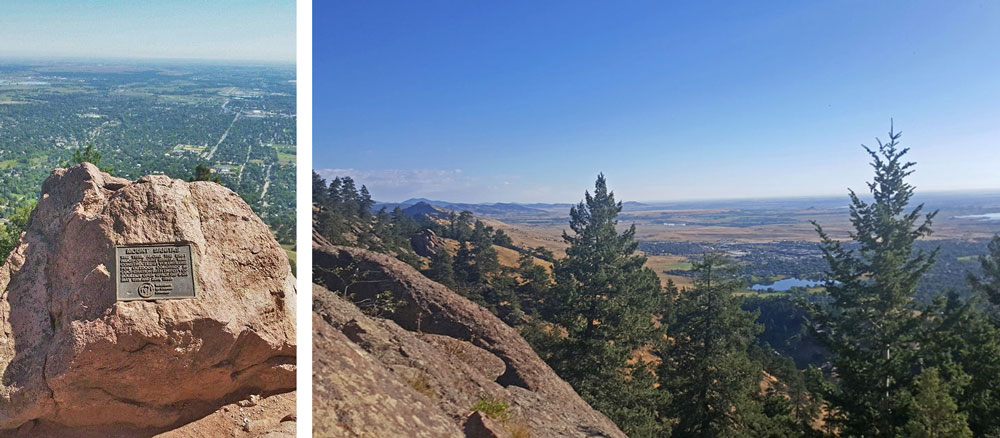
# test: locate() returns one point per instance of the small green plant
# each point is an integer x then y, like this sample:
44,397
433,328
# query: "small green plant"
384,304
492,407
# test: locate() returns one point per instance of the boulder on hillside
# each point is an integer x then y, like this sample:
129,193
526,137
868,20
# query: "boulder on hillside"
73,357
434,355
426,243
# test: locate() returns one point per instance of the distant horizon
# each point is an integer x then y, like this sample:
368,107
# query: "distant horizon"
326,175
143,61
221,30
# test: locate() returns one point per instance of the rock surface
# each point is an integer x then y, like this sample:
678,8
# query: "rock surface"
422,367
426,243
478,425
73,357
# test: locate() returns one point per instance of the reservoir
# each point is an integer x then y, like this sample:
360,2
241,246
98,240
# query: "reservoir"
786,284
985,217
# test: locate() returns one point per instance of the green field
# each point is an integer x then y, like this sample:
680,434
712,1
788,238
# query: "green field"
286,158
290,252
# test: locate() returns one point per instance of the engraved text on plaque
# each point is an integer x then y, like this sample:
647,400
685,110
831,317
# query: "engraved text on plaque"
154,272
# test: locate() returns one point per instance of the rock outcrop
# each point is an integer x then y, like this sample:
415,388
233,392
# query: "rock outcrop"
72,359
418,368
426,243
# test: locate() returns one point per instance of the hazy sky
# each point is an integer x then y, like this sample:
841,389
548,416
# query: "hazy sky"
221,30
528,101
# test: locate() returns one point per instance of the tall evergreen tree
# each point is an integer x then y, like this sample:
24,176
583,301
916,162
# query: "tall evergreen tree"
463,226
871,323
333,192
605,300
365,202
319,188
349,194
485,255
463,266
706,364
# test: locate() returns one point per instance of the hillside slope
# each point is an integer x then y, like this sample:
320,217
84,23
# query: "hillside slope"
422,366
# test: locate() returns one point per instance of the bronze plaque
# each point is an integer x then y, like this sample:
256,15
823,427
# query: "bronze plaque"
154,272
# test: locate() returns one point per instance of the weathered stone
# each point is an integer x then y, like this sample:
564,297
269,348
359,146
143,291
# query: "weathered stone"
71,356
437,345
478,425
426,243
354,395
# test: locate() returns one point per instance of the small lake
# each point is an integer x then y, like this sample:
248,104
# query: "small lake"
985,217
786,284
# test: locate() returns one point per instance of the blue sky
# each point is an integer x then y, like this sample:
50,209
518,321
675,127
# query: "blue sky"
528,101
217,30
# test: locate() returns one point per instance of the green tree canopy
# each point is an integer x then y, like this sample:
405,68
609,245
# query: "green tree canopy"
871,324
606,301
935,414
706,365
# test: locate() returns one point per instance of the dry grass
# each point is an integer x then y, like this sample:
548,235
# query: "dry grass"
660,263
422,384
507,257
518,429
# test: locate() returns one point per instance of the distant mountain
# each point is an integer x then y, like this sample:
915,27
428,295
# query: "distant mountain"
501,208
494,209
424,209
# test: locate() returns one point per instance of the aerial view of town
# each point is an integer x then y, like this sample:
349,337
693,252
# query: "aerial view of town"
236,122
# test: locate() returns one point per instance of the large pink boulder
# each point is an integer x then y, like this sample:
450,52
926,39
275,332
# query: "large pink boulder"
71,356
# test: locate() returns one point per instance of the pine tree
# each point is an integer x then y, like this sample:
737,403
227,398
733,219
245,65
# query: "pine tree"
204,173
333,193
534,284
871,323
935,414
463,226
319,188
463,266
989,284
605,300
964,346
441,268
88,154
349,194
365,202
706,365
485,255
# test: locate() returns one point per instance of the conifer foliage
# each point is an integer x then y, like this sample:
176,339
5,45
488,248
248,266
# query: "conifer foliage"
606,301
706,367
934,413
872,324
